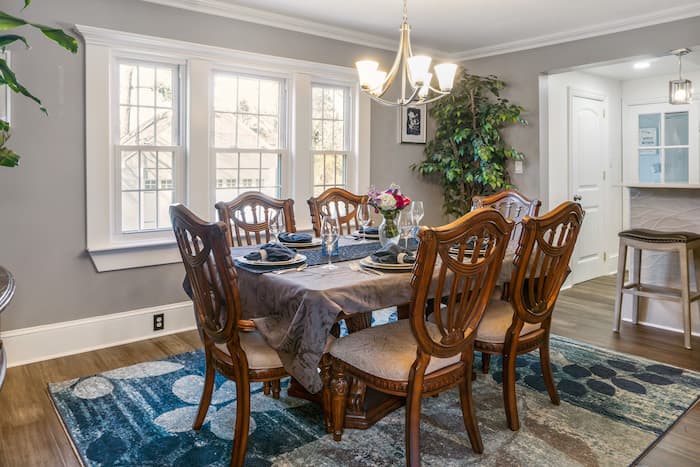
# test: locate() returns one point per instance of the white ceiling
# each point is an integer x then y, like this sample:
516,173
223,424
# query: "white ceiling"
658,66
459,28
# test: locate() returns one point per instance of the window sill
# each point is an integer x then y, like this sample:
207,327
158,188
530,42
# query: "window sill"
134,255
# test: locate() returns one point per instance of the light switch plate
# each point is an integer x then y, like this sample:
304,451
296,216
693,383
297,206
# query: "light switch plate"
518,167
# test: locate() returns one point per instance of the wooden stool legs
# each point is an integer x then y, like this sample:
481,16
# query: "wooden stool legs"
621,265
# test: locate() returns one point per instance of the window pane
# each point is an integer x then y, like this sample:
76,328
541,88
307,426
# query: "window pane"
649,166
649,130
164,87
248,95
247,131
165,128
227,160
130,211
329,171
224,130
269,174
227,195
146,125
327,134
317,135
676,165
318,169
269,97
339,104
328,101
269,132
130,170
127,84
148,210
128,118
147,81
225,93
317,102
340,170
165,199
339,136
676,129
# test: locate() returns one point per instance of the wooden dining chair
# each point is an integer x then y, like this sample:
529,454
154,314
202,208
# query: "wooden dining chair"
510,203
232,346
523,324
338,203
247,217
415,358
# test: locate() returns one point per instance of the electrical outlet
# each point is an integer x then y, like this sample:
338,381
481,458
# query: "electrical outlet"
158,322
518,167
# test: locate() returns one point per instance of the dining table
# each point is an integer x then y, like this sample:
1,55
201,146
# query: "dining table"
295,311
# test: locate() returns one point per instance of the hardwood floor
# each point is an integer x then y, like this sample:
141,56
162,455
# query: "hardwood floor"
31,434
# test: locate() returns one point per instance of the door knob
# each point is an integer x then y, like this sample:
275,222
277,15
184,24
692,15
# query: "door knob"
577,198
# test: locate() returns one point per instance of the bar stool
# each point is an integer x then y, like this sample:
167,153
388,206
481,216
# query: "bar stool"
644,239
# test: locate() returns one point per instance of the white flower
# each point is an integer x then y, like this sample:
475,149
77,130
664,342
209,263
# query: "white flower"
387,201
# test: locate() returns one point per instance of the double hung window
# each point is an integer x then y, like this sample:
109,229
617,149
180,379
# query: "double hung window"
330,136
149,150
249,118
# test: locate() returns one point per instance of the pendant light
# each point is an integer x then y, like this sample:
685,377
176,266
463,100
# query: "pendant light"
680,91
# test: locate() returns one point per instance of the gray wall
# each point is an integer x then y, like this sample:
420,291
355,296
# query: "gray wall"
521,71
42,203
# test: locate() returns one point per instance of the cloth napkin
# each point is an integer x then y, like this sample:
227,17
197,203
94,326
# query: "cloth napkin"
287,237
370,230
393,254
271,252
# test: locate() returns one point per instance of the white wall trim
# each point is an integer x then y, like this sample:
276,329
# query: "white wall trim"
49,341
258,16
600,29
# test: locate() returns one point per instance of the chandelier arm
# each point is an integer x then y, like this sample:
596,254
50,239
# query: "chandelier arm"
403,101
433,99
391,75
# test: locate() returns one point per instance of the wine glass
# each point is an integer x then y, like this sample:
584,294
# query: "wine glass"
417,212
406,223
330,233
364,218
274,224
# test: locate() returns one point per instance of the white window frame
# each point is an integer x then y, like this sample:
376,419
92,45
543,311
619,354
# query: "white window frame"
284,127
109,252
349,129
178,150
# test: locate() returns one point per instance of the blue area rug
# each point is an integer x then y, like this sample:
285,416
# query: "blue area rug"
613,407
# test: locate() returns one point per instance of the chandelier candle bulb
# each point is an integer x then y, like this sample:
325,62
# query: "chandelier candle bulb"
419,65
446,75
367,72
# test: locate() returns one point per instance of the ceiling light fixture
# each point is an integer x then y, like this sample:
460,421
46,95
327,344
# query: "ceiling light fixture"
641,65
414,71
680,90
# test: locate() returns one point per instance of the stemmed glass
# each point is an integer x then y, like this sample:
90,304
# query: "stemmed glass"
274,224
406,226
330,233
364,218
417,213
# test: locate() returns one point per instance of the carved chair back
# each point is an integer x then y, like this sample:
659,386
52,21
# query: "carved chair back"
542,263
339,203
512,205
465,277
247,217
212,276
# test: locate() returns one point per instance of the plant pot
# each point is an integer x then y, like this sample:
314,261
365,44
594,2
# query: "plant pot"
388,230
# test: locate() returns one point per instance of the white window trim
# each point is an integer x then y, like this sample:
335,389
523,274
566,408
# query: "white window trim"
297,183
5,93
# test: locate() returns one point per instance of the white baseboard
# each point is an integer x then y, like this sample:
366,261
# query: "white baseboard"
659,326
37,343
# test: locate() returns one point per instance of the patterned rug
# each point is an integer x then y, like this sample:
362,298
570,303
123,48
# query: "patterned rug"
613,407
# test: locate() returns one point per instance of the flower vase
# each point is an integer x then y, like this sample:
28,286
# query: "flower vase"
388,230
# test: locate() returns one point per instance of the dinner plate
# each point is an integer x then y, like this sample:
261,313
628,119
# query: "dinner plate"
297,259
311,244
389,267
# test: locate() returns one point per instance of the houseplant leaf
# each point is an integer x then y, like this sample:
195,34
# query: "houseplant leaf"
10,22
8,39
7,77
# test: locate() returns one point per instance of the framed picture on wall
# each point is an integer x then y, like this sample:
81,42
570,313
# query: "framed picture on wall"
412,124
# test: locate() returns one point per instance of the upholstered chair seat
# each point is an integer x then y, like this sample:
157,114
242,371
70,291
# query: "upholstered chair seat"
496,321
387,351
260,355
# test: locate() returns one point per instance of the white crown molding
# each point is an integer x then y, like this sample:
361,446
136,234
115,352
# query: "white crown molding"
257,16
183,50
610,27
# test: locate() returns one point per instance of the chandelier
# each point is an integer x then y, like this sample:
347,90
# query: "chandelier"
414,71
680,91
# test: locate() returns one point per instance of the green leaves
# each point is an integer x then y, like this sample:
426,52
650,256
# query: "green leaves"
66,41
8,158
468,152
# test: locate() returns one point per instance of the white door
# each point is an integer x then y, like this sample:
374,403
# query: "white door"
588,157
